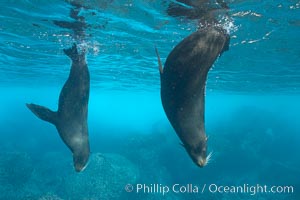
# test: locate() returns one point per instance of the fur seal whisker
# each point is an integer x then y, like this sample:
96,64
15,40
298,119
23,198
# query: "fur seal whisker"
208,158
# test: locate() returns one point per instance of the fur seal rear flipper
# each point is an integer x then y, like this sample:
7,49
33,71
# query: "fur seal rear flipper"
183,81
71,117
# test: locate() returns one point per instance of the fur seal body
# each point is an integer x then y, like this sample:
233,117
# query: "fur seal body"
71,117
183,81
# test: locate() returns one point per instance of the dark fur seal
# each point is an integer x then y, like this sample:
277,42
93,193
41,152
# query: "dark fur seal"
71,116
183,81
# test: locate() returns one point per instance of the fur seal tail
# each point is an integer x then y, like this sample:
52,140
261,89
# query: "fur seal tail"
74,55
43,113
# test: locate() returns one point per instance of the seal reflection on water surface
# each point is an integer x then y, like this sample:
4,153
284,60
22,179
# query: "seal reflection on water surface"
183,81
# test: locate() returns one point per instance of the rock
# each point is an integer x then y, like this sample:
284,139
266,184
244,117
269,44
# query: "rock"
104,178
49,175
50,196
15,171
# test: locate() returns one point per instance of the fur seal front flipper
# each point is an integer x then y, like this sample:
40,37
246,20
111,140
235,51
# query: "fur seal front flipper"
71,117
183,81
43,113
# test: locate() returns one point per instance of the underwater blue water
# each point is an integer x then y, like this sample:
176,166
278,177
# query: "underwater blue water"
251,112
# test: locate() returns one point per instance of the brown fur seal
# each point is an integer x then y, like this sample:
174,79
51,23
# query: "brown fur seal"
183,81
71,116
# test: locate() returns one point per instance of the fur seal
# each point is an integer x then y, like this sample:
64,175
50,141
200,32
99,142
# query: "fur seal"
71,117
183,81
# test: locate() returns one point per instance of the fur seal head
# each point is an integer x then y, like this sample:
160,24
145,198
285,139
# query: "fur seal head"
198,152
80,160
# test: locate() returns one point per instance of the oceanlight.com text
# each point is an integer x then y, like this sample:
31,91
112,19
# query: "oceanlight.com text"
250,189
207,188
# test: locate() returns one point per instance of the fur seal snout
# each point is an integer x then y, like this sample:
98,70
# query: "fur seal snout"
183,81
